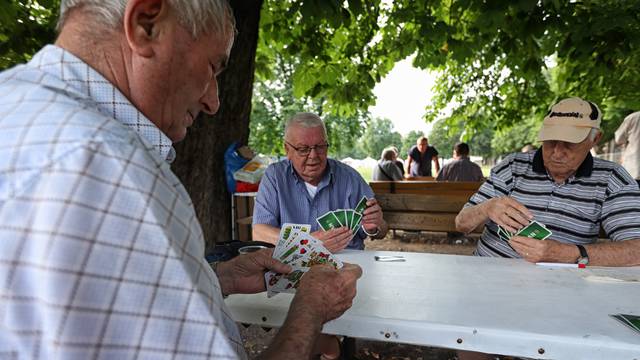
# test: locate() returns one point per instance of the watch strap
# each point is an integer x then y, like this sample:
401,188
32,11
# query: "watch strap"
584,256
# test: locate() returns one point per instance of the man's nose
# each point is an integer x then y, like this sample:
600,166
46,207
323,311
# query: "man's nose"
313,152
210,101
558,149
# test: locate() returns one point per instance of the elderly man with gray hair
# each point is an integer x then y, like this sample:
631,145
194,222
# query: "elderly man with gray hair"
308,184
565,188
386,169
102,256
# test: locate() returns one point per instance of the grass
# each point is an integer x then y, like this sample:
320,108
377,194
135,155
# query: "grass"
365,172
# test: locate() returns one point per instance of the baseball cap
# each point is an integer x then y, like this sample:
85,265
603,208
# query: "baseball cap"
570,120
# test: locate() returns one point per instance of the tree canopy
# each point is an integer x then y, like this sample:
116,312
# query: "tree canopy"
25,26
501,63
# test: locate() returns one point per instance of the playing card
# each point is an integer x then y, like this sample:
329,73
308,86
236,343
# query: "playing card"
341,215
313,253
632,321
287,233
277,283
302,251
296,250
349,214
535,230
362,205
328,221
504,234
288,228
355,224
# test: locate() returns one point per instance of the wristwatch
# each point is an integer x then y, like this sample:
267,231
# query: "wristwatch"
583,259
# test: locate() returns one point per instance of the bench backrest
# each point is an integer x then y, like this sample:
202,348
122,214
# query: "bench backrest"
423,205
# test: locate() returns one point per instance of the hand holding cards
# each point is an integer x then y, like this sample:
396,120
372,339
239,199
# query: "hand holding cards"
297,248
534,230
343,217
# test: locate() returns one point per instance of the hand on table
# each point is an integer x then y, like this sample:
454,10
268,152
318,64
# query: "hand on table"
244,274
508,213
335,239
534,250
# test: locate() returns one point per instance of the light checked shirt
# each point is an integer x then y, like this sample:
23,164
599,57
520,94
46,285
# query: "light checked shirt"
101,253
283,197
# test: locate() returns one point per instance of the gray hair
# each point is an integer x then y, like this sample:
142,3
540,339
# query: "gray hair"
593,133
197,16
305,120
388,153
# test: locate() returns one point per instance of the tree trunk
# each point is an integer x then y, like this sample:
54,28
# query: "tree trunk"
200,157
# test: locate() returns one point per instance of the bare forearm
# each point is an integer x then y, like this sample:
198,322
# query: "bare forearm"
296,338
266,233
470,218
225,277
619,253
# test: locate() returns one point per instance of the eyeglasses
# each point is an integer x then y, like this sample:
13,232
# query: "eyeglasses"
321,149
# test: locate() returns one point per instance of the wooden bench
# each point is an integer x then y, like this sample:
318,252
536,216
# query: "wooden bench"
423,205
241,215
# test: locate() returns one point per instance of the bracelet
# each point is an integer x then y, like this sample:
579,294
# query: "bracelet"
371,235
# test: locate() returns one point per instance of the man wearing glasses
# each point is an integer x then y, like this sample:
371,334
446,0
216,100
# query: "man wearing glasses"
307,185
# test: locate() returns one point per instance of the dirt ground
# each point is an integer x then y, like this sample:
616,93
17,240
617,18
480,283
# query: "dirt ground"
257,339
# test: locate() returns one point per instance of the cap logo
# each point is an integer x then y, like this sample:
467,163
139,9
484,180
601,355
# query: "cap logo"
566,114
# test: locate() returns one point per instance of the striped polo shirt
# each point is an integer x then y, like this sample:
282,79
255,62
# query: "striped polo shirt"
600,193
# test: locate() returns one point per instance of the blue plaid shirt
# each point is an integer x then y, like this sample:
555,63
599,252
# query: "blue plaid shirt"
283,197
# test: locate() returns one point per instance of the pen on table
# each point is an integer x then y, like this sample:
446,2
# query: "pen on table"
388,258
565,265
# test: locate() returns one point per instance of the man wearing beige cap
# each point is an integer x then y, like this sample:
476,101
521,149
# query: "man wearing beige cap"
564,188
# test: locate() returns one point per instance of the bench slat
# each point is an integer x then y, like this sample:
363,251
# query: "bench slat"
423,203
420,187
402,220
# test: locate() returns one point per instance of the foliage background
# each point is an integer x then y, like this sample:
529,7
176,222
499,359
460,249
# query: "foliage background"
25,26
500,64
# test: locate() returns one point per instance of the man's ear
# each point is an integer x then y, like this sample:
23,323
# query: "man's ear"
142,22
596,140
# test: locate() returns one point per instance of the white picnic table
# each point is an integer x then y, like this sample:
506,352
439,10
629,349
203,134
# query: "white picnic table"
499,306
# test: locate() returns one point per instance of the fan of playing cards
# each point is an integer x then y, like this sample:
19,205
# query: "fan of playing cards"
534,230
297,248
343,217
